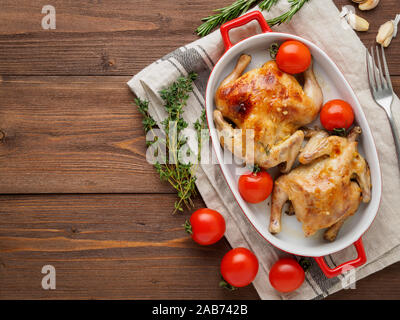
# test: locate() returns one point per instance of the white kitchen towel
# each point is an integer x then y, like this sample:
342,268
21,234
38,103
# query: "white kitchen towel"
319,22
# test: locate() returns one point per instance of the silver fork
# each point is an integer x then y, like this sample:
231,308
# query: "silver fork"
382,90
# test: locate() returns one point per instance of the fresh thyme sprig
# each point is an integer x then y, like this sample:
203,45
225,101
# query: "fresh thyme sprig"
148,121
239,7
199,125
179,174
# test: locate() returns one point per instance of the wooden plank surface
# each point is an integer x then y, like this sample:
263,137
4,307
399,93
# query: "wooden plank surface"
109,37
67,125
72,135
113,37
121,247
105,246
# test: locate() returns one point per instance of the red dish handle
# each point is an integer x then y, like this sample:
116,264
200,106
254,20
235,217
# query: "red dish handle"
359,261
227,26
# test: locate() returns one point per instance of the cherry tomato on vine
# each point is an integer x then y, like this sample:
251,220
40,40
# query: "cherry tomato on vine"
286,275
206,226
336,114
255,187
293,57
239,267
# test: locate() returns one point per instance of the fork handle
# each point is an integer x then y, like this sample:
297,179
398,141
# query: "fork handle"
396,137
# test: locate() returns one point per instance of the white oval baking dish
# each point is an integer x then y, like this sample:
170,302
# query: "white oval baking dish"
334,86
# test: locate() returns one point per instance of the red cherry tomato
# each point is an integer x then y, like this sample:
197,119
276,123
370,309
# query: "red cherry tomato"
206,226
255,187
239,267
293,57
286,275
336,114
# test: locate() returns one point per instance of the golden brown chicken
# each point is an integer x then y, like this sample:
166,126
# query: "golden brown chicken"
273,104
327,188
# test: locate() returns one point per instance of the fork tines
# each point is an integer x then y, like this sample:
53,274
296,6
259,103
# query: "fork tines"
379,80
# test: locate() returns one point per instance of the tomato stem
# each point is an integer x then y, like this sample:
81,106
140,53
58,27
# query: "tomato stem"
188,227
226,285
273,50
305,263
341,132
255,169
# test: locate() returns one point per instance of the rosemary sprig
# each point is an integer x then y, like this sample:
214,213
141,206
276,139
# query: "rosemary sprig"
295,6
239,7
230,12
267,4
180,175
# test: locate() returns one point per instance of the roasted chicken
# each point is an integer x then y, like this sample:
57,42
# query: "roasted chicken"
327,187
273,105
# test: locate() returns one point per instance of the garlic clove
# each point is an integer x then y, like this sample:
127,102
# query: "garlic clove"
385,33
357,23
386,43
368,5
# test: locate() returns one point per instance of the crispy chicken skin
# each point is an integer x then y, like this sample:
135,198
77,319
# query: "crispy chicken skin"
327,187
273,104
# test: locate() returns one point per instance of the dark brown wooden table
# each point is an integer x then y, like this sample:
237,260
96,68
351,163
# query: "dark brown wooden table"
76,191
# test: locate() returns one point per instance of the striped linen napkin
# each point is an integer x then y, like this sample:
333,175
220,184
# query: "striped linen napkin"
318,21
